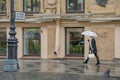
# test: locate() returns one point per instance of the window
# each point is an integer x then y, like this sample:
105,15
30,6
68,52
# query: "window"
32,41
2,6
32,6
75,5
2,41
74,42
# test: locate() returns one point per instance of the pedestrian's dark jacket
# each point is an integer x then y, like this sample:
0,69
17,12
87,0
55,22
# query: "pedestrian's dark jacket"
93,45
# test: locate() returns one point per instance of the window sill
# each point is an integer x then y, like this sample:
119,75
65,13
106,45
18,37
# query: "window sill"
74,11
2,14
3,56
30,58
31,13
73,58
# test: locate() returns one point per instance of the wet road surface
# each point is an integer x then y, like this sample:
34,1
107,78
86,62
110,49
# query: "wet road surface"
68,66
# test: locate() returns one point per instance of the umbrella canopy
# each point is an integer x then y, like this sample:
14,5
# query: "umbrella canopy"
89,33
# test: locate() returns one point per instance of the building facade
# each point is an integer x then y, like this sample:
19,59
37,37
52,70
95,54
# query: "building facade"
52,28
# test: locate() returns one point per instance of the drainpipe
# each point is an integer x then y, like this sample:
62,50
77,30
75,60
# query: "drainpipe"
57,37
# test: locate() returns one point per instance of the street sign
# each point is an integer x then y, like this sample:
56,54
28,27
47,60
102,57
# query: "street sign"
20,15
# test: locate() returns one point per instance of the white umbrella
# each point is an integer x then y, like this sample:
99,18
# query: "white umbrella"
89,33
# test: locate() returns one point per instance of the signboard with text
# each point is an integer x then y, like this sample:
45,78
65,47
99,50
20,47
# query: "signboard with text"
20,15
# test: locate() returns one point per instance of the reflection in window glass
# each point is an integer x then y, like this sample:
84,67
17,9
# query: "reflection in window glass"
70,4
2,5
74,41
32,41
75,5
2,41
80,5
32,5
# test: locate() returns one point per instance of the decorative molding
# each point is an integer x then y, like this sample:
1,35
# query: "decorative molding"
51,6
78,17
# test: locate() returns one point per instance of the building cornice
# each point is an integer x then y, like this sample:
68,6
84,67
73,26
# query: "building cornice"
40,18
77,17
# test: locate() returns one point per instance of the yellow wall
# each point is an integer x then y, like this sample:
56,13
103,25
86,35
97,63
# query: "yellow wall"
108,40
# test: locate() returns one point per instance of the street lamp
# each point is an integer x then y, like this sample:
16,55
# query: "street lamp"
11,63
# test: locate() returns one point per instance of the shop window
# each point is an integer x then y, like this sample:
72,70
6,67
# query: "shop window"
32,41
2,6
75,6
74,42
2,41
31,6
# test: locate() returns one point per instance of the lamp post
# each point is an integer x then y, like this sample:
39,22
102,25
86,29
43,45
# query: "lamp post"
11,63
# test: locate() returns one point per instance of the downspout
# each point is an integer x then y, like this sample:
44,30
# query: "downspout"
57,37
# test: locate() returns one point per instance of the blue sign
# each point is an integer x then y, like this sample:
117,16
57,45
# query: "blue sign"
20,15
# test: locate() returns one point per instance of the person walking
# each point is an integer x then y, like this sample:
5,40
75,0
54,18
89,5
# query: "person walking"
93,48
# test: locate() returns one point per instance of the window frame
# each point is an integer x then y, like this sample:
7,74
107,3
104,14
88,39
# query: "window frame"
2,13
31,12
4,54
72,54
29,46
75,9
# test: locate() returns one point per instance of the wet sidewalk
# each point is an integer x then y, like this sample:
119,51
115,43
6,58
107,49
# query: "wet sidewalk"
68,67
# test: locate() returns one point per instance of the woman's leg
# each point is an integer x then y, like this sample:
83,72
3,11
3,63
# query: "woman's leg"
86,61
97,58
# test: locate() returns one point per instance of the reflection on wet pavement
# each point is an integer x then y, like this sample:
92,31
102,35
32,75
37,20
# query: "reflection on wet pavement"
66,66
73,67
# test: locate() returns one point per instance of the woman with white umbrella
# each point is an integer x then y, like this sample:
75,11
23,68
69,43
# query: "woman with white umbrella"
92,45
